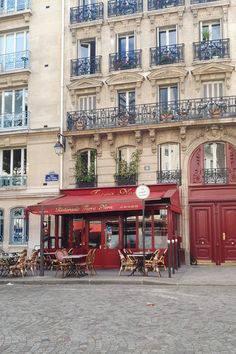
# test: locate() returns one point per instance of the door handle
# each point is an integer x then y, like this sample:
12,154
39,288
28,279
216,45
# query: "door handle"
223,236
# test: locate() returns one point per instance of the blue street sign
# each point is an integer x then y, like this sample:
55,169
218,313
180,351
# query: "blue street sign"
51,177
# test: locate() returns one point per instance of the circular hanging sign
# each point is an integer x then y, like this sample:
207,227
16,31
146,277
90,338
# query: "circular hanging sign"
142,192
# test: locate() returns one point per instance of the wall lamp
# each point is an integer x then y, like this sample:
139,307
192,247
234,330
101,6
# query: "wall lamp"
60,146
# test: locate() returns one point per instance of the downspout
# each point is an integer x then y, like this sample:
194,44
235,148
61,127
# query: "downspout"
62,87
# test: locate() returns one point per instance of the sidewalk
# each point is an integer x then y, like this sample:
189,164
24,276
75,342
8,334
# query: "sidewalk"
186,275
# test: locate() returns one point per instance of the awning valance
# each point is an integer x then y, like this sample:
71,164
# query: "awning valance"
97,200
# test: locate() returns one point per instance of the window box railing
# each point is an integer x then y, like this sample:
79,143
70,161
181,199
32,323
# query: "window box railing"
169,54
14,61
8,7
13,181
169,176
214,49
86,13
153,113
125,61
215,175
86,66
162,4
126,180
14,121
124,7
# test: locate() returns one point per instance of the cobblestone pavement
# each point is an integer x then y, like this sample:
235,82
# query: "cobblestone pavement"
120,319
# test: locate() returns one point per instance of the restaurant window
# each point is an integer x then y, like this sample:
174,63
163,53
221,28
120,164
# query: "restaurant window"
1,224
160,228
94,236
130,232
112,234
18,227
147,231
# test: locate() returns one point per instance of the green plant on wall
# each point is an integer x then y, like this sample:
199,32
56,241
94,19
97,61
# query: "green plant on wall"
128,169
85,166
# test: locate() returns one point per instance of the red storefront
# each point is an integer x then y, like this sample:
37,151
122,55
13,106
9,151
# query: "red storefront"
109,219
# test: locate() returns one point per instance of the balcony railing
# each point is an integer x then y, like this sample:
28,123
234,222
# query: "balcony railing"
169,176
215,175
125,61
87,184
86,13
169,54
126,180
7,7
124,7
153,113
86,66
14,61
13,181
214,49
162,4
14,121
201,1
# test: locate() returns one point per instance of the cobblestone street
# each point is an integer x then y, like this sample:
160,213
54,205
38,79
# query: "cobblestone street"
117,319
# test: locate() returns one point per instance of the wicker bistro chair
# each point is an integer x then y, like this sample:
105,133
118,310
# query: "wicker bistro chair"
20,267
127,262
92,259
86,266
156,263
33,262
63,264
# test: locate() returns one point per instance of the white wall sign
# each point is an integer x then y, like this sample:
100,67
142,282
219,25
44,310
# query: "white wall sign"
142,192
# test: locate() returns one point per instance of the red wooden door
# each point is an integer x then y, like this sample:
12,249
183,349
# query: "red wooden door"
104,235
202,243
228,232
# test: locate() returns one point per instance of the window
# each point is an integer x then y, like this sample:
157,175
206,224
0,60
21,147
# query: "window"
126,101
13,50
18,226
169,156
13,167
13,5
87,57
168,95
87,103
13,108
127,165
160,228
212,89
125,44
125,153
214,155
1,225
86,168
210,31
167,37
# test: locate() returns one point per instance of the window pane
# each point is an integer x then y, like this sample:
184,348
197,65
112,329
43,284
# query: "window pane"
215,31
130,232
18,226
131,43
10,43
214,155
173,93
1,45
172,37
160,228
1,103
122,45
122,101
94,237
169,157
26,101
6,162
147,232
112,234
1,225
85,50
20,42
17,162
8,102
132,99
162,38
18,101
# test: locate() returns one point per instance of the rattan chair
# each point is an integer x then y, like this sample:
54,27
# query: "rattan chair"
33,262
20,267
63,264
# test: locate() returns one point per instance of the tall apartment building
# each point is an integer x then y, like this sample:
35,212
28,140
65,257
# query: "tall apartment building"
30,113
149,97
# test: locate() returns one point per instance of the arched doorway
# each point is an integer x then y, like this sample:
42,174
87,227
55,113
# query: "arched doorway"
212,202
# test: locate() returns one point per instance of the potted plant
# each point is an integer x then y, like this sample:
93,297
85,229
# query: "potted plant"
85,174
205,35
127,172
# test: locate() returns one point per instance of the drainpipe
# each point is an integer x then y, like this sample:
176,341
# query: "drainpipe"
62,86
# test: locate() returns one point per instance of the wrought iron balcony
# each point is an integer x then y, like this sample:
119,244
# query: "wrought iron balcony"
13,181
14,61
124,7
86,13
162,4
169,176
7,7
214,49
215,175
125,61
86,66
153,113
14,121
169,54
126,180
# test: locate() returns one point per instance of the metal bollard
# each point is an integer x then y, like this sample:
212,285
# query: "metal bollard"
173,256
169,269
176,254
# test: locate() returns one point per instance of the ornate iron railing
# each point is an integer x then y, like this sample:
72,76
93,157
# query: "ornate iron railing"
124,7
86,13
126,180
7,6
13,181
214,49
169,176
201,1
14,121
175,111
86,66
14,61
168,54
161,4
215,175
125,61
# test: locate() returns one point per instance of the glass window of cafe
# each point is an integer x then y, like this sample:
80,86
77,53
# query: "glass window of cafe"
155,230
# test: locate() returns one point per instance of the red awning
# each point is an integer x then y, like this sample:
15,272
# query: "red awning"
103,200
